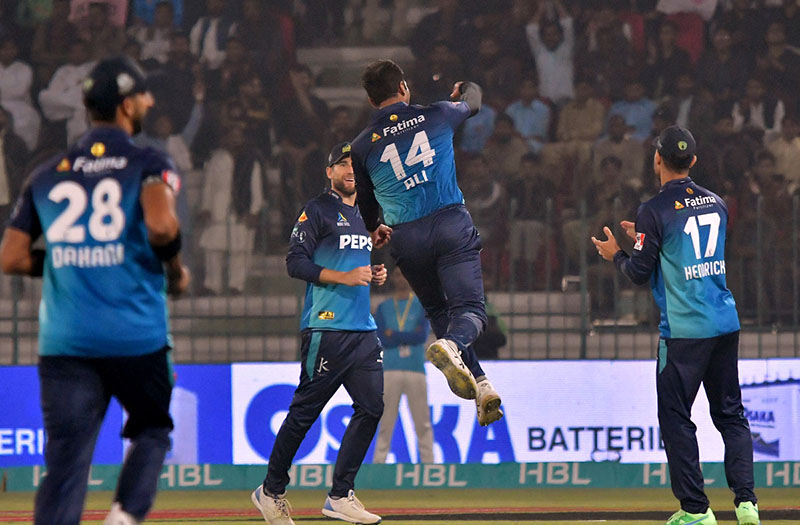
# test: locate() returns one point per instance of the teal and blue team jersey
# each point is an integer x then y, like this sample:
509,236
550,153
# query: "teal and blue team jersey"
403,330
680,248
103,292
330,234
403,161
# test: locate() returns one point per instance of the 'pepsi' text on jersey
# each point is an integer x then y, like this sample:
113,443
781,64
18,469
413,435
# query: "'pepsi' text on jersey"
104,288
330,234
404,161
680,248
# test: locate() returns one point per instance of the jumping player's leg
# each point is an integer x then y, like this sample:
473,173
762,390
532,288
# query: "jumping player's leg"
682,364
323,366
364,383
143,385
721,383
74,402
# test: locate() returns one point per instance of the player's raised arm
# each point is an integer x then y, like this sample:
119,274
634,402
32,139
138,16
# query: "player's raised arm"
469,93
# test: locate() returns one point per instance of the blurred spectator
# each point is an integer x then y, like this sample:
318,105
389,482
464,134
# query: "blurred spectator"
146,11
31,13
267,32
779,65
476,130
769,239
486,199
493,338
232,202
403,330
531,116
154,38
504,149
665,61
608,200
210,34
342,127
747,25
172,83
758,109
609,64
552,43
51,42
13,155
433,76
618,144
527,225
62,100
789,14
132,49
786,149
636,109
300,120
449,23
580,123
512,35
691,110
114,11
102,37
16,78
223,82
256,113
495,72
722,72
723,159
320,22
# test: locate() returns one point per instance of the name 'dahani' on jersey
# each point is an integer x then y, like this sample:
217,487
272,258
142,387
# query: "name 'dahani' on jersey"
404,125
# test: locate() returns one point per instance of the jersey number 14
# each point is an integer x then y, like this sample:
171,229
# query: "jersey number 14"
420,151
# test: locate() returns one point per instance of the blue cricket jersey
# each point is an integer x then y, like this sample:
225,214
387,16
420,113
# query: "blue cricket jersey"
680,248
330,234
404,160
104,289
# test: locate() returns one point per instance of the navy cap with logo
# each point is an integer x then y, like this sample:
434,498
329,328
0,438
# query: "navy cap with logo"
110,82
339,152
676,145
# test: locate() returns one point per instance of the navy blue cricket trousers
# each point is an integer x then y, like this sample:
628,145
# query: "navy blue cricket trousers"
330,359
682,365
440,257
75,393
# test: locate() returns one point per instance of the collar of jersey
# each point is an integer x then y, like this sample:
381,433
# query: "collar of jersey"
107,133
393,107
676,182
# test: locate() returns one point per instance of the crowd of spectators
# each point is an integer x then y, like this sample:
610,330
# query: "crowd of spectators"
574,92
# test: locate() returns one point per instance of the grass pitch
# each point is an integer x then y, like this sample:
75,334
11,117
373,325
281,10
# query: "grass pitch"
439,506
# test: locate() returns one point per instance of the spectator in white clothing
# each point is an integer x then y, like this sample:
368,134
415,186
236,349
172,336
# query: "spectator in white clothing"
16,78
155,38
210,33
552,43
62,99
232,202
758,110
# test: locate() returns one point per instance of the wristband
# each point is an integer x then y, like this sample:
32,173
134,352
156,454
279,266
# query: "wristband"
165,252
37,268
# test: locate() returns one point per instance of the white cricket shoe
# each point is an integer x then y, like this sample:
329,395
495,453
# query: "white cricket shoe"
445,355
488,404
349,509
117,516
276,510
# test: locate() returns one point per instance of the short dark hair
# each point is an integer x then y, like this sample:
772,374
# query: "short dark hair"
674,166
380,80
611,160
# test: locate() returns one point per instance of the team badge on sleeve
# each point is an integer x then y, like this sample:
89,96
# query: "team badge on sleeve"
303,217
171,179
639,241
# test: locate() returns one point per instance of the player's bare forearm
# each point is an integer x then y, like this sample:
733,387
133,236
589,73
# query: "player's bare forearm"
16,257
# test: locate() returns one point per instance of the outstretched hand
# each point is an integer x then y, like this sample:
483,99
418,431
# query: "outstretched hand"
606,249
381,236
